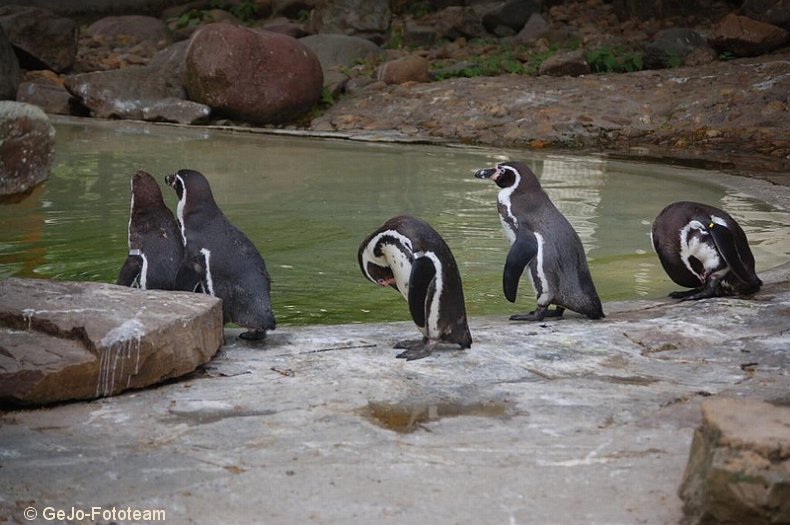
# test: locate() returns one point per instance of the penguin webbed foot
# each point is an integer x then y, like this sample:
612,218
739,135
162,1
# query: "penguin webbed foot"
538,314
710,289
415,349
253,334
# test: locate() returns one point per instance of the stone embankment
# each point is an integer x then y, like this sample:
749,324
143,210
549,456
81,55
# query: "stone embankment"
536,73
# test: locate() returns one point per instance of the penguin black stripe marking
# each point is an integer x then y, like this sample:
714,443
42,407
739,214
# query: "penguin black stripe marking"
543,240
703,248
410,256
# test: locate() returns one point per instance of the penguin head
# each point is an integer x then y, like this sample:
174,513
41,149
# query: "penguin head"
145,191
381,275
509,175
192,183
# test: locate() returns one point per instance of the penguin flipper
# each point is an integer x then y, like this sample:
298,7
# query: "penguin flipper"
725,243
130,271
423,273
523,250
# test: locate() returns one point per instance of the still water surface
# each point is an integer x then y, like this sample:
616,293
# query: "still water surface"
307,203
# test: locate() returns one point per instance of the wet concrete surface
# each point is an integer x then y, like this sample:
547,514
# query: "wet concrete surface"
566,421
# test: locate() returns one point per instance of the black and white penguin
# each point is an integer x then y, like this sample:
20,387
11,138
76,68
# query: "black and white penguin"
703,248
219,259
155,247
543,239
409,255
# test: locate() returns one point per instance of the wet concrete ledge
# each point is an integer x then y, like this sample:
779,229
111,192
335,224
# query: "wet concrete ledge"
569,421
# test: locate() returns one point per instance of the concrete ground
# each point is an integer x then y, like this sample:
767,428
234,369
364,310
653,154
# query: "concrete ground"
569,421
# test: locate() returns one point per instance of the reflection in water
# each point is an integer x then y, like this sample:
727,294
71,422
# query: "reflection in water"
307,204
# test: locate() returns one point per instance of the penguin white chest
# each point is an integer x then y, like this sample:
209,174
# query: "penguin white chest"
696,243
506,217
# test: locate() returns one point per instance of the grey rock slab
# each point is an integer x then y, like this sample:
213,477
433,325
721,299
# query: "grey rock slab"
62,341
568,421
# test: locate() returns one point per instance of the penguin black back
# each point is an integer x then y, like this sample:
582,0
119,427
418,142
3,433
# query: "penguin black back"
220,259
155,247
702,247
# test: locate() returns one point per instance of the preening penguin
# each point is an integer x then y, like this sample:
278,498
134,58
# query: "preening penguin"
155,248
542,239
703,248
219,259
410,256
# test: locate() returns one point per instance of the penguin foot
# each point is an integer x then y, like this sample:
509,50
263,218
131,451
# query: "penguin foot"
538,314
681,294
710,289
415,349
253,335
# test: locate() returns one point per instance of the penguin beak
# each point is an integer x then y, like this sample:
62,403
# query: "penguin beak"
485,173
170,180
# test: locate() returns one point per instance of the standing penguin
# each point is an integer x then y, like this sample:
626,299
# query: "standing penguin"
543,239
155,248
219,259
703,248
410,256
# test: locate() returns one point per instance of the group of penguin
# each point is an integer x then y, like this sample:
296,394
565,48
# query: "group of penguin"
700,247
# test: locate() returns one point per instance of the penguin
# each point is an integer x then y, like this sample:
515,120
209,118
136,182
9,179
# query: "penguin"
155,248
407,254
702,247
219,259
542,239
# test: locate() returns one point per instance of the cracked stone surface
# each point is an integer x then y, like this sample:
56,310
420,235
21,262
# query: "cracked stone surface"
567,421
61,341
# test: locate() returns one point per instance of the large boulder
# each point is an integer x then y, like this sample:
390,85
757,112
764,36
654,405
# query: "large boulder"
27,147
9,68
365,18
46,41
63,341
678,46
776,12
136,27
153,92
739,464
336,53
744,37
256,76
510,17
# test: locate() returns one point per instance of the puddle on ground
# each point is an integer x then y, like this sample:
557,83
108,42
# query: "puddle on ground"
405,417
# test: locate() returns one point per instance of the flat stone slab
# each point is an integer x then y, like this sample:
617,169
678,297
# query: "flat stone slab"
63,341
569,421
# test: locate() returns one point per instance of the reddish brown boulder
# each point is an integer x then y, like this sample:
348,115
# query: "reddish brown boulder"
135,26
257,76
61,341
411,68
744,37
